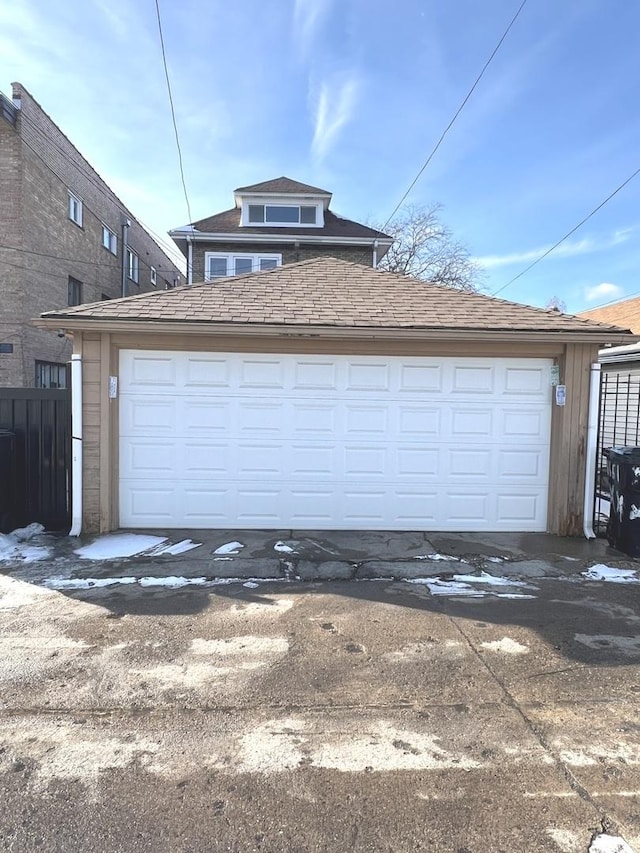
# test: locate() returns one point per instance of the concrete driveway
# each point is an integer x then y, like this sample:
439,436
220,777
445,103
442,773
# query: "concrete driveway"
481,695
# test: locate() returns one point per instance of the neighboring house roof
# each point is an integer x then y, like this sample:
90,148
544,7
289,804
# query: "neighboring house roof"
325,293
625,314
228,222
282,185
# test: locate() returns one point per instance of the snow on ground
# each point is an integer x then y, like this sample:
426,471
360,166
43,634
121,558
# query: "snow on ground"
600,572
14,545
506,645
609,844
463,585
284,548
173,582
437,557
229,548
117,545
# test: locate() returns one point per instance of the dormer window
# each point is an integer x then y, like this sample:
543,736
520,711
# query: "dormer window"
282,214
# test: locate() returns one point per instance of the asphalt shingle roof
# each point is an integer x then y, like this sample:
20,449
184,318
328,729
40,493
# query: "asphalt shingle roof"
228,222
625,314
326,292
282,185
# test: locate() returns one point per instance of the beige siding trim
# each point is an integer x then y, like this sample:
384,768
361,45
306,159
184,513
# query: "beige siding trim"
105,434
568,442
91,490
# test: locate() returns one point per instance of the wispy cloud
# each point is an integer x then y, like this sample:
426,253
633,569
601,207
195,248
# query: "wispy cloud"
569,249
606,290
308,16
334,109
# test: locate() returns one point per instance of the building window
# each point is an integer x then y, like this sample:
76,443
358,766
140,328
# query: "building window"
75,292
133,265
109,240
51,374
154,276
6,349
283,214
75,209
218,265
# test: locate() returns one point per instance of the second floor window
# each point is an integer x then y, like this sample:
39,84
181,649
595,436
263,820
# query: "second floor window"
75,209
109,240
218,264
282,214
133,266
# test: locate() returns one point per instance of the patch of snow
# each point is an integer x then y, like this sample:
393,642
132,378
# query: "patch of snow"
284,548
436,557
506,645
601,572
13,545
609,844
115,545
251,585
85,583
16,593
438,587
634,512
173,581
495,559
23,534
491,580
229,548
566,839
177,548
572,559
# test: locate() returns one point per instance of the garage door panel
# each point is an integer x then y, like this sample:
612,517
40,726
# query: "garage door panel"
333,441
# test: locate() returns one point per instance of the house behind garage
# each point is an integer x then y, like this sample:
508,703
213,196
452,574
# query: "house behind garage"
329,395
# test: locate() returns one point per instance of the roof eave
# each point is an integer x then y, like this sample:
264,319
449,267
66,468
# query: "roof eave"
72,323
237,236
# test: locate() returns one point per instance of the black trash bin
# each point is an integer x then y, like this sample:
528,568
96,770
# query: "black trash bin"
7,480
623,469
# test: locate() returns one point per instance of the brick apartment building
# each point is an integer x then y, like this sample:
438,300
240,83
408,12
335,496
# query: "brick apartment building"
61,242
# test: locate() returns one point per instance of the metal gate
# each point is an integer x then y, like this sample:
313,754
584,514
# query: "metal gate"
41,479
618,425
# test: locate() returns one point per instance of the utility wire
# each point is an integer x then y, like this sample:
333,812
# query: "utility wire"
173,112
457,113
568,234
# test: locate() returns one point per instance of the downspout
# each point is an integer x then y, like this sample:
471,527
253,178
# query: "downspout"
592,445
123,270
189,261
375,254
76,445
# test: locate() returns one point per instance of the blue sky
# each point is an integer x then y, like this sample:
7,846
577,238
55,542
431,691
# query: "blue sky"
351,95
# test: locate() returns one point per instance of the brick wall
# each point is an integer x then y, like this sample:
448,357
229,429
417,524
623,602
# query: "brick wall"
38,168
290,254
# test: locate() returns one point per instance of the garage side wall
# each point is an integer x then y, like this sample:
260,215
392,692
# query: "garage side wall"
568,442
100,414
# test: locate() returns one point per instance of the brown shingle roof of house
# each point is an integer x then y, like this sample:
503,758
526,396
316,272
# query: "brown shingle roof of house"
228,222
281,185
625,314
325,292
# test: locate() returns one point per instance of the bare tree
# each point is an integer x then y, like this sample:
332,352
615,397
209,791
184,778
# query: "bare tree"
425,248
556,304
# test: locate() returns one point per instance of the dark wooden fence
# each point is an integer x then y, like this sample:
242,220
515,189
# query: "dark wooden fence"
37,477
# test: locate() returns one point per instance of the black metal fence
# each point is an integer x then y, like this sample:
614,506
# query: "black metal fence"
618,425
38,487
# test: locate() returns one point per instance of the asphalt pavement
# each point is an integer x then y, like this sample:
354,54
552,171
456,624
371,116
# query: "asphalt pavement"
319,692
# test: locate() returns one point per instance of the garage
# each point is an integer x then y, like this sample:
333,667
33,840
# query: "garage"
333,442
326,394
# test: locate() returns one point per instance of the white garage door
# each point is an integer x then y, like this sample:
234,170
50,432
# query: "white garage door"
333,442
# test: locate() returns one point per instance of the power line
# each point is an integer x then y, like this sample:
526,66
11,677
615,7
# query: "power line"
21,250
173,112
568,234
456,114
